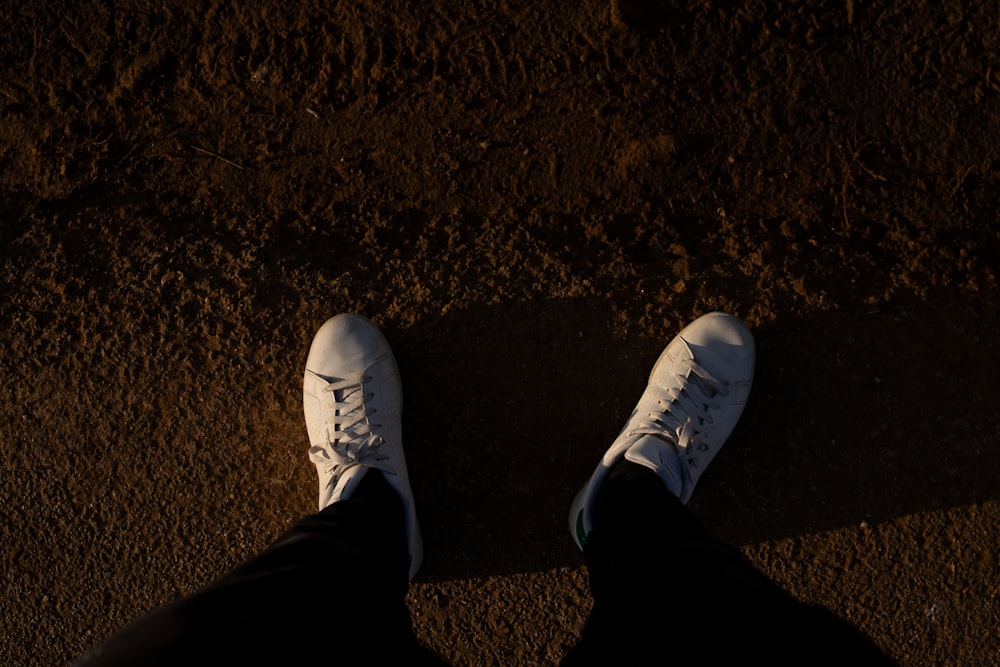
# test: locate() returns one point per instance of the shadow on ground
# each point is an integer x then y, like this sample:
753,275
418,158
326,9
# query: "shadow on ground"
853,418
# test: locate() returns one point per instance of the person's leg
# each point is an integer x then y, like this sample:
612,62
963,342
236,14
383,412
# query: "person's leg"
333,587
665,590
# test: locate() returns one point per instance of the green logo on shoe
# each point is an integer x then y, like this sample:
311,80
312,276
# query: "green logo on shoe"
581,534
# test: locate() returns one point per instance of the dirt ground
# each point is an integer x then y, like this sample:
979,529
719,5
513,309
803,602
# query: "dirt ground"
531,198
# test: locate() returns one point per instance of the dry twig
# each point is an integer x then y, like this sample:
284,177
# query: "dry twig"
218,157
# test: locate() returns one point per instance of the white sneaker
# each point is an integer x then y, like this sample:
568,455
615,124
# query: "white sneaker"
695,396
352,397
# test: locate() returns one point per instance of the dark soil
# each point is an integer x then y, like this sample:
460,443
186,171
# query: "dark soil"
530,198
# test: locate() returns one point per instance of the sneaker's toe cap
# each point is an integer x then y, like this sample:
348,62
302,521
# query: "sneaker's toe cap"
722,345
344,345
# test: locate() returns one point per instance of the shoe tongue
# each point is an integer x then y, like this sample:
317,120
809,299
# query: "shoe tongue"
659,456
321,382
705,387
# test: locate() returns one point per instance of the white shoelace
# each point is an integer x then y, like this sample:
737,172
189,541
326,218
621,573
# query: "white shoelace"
349,438
685,414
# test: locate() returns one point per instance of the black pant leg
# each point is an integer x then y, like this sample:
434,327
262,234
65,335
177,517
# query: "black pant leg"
667,592
330,590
